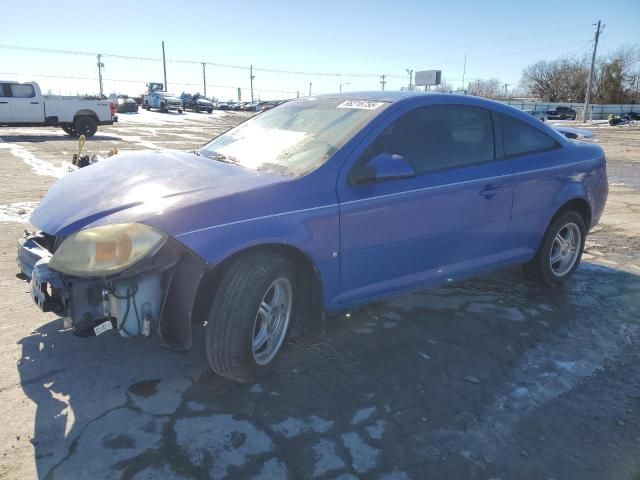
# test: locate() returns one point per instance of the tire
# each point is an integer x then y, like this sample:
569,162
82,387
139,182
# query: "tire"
147,107
210,110
86,126
69,130
633,123
180,110
237,323
541,268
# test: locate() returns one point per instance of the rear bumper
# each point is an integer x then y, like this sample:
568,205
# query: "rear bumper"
600,196
113,120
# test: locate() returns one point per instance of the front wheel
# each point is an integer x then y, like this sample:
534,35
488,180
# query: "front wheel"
250,316
560,252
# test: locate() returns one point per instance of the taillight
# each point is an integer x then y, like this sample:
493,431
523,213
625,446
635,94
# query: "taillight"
112,107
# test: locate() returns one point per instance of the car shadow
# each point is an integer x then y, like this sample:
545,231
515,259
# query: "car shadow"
55,138
403,385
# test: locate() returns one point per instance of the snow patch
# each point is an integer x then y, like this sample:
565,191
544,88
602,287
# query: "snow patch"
17,212
39,167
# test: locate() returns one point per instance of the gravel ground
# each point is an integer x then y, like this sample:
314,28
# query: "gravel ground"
492,378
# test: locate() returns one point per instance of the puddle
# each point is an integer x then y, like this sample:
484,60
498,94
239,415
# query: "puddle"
145,388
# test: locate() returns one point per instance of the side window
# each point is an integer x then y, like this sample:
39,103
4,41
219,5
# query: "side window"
5,91
520,138
437,138
22,91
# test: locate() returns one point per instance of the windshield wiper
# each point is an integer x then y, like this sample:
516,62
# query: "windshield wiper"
220,157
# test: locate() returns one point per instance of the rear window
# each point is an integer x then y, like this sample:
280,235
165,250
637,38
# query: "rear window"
22,91
520,138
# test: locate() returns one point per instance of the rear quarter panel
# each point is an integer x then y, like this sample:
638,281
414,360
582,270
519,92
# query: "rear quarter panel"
544,182
67,108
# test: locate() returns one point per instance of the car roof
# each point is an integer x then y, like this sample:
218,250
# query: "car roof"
379,96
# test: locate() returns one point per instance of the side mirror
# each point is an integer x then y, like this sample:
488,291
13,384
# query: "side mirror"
385,166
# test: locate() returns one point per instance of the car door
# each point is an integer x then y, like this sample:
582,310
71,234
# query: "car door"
448,221
5,107
25,107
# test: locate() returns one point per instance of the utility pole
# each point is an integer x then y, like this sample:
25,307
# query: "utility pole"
410,72
342,85
298,94
204,78
464,71
310,88
383,81
587,96
100,65
251,77
506,86
164,66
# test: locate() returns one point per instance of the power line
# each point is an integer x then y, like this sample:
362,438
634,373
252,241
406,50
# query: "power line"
493,42
177,82
268,69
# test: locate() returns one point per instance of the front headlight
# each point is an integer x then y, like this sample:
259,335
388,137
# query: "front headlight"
102,251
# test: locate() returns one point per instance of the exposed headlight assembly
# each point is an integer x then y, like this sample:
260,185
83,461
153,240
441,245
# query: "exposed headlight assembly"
103,251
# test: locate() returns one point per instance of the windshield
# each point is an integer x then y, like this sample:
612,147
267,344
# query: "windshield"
294,138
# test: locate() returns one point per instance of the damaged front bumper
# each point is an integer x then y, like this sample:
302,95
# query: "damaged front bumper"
143,298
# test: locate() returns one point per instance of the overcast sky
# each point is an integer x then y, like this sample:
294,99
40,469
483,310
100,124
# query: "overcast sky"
345,37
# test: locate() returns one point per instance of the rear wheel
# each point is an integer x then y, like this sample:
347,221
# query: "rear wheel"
86,126
69,130
250,316
560,252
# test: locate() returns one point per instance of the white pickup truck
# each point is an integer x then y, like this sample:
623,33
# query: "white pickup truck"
22,104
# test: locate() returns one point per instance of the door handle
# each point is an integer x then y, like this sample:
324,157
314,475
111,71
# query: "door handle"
4,102
35,103
491,191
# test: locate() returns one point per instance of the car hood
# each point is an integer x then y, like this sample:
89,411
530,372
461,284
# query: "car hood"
206,102
131,187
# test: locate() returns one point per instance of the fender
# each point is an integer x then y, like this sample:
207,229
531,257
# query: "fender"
313,231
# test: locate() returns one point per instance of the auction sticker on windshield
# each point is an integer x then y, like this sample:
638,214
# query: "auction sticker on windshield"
360,104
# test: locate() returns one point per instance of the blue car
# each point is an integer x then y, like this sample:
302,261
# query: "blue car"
317,205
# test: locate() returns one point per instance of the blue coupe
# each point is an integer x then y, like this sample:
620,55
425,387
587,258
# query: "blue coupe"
317,205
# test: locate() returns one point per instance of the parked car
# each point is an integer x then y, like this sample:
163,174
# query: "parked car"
222,106
561,113
576,133
22,104
196,103
628,118
318,205
124,104
542,116
158,99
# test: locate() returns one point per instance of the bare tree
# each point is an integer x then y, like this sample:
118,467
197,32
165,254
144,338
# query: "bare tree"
565,79
560,80
485,88
444,87
615,80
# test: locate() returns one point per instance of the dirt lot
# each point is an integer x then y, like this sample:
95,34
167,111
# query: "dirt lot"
493,378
